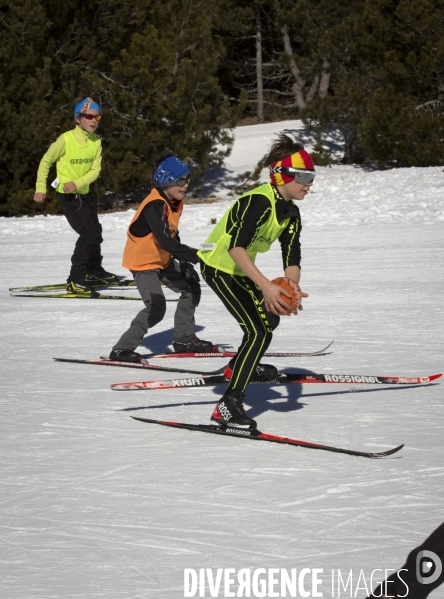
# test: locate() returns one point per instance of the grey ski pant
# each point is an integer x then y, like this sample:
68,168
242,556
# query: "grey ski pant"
150,289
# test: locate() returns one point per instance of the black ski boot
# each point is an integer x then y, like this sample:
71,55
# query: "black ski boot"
198,346
79,287
101,277
261,374
230,411
125,355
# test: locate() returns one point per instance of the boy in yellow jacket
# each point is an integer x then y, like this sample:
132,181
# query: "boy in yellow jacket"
250,226
78,154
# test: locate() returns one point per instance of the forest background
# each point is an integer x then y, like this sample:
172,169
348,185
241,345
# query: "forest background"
178,75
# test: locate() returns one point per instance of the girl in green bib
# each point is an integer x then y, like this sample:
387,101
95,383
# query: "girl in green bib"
250,226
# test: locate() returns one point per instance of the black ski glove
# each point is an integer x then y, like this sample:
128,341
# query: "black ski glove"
189,272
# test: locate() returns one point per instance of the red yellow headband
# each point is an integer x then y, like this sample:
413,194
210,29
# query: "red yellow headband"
300,160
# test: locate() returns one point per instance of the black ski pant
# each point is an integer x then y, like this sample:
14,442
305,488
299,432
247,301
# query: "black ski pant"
245,302
81,213
149,285
417,579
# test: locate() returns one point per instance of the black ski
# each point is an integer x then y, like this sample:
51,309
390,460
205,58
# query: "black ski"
121,282
143,366
258,436
94,296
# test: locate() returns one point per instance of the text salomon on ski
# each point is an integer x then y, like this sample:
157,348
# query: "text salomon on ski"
230,354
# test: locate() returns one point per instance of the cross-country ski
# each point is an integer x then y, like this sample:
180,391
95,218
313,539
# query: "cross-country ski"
103,361
284,379
94,296
230,354
256,435
140,365
121,282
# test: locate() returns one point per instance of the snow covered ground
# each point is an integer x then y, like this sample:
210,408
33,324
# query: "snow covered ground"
95,504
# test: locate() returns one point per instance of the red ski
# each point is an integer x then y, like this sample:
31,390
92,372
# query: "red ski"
284,379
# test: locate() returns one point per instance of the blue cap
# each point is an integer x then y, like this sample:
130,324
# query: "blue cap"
85,105
169,170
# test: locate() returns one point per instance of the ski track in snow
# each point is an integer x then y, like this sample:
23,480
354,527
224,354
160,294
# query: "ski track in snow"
94,504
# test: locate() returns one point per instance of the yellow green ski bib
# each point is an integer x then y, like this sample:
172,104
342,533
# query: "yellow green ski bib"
77,160
218,242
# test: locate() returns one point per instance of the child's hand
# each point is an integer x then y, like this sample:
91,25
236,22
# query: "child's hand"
301,307
39,197
69,187
273,300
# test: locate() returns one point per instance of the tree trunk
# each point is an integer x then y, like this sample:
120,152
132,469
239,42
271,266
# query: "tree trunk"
325,78
319,84
299,82
354,152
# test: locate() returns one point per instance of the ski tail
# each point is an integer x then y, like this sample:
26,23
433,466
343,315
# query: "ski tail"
299,354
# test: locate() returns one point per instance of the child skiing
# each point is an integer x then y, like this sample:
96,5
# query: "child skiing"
78,154
251,225
152,243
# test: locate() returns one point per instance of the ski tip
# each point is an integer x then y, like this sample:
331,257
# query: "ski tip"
383,454
435,376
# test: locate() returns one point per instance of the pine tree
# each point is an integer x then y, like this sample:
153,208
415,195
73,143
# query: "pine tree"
387,82
151,65
25,82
